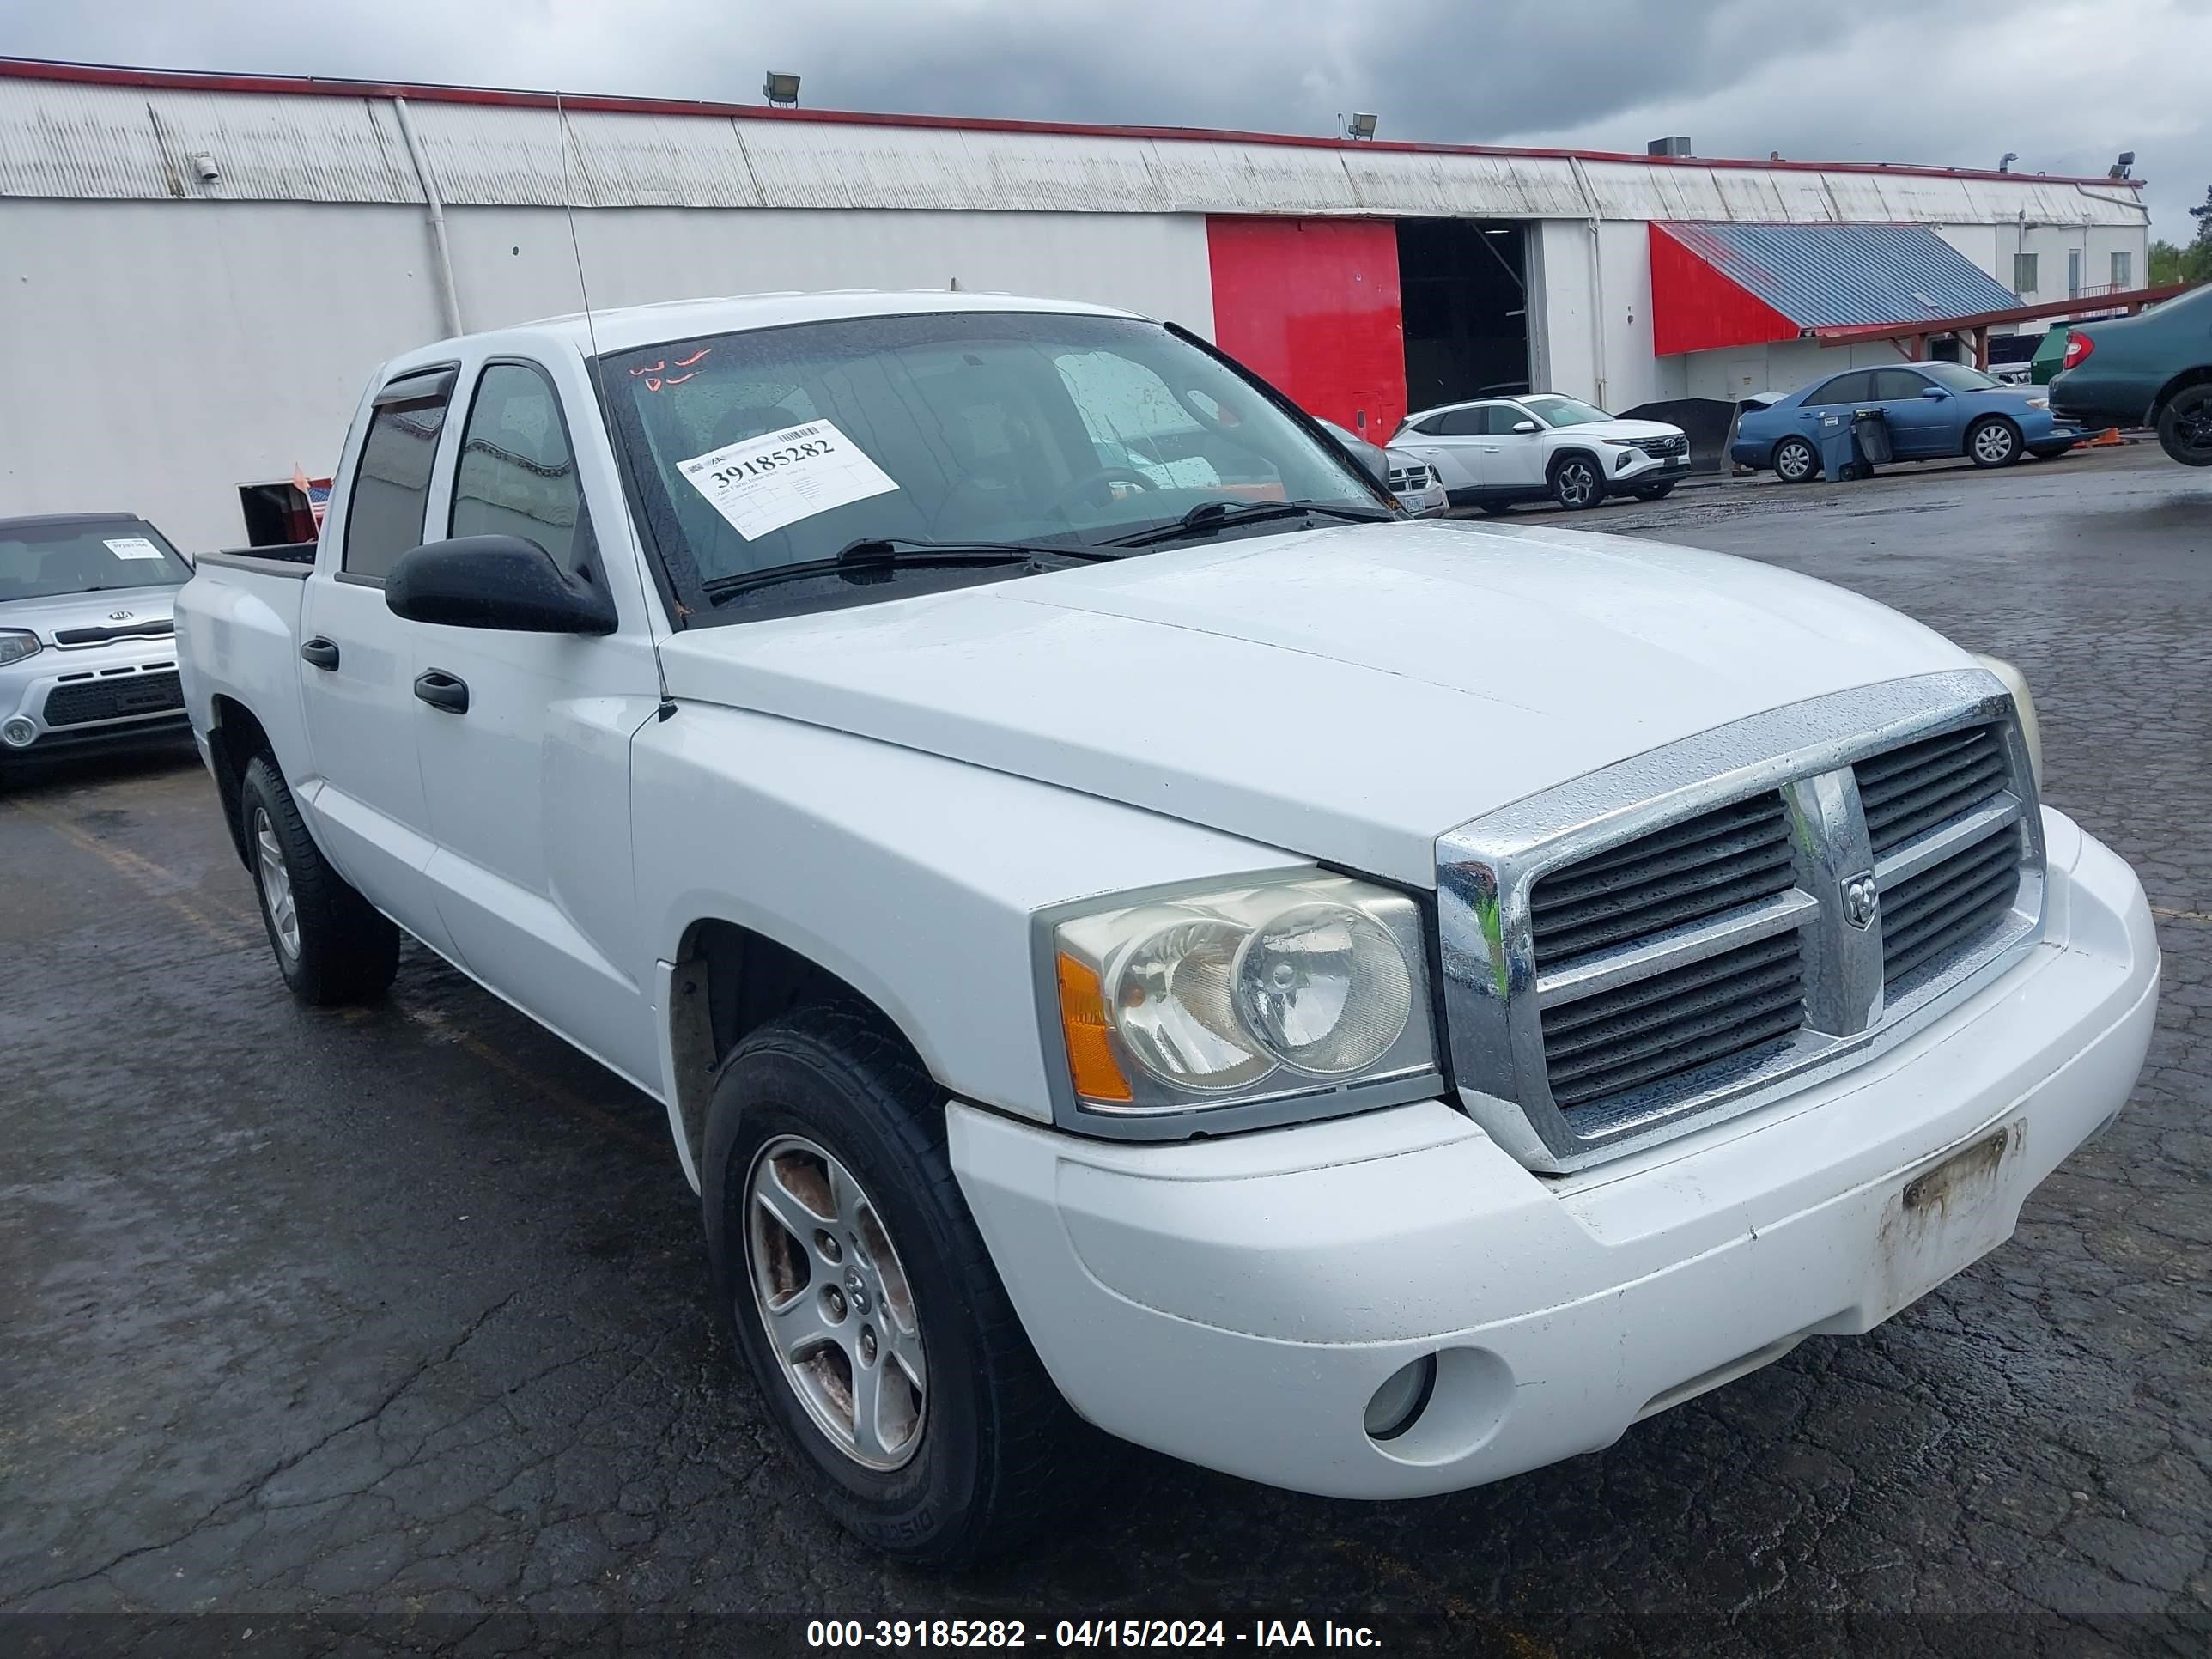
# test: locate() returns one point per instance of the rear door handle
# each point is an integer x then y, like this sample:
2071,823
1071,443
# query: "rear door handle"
442,690
320,651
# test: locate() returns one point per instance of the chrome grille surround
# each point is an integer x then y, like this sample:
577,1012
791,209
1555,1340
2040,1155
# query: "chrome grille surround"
1487,868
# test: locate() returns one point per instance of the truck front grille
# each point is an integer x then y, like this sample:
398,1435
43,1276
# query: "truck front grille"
1622,956
113,697
1910,791
1654,1029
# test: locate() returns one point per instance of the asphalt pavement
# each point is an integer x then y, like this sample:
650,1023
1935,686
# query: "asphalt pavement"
364,1330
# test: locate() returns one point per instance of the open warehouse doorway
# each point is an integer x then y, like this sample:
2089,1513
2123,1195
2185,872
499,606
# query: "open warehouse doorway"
1463,289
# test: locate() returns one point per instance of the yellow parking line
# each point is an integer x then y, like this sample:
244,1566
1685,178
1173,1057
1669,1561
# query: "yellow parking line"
142,872
1436,1596
438,1025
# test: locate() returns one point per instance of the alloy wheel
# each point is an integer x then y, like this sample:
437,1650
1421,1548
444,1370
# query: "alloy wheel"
834,1298
275,884
1576,481
1993,443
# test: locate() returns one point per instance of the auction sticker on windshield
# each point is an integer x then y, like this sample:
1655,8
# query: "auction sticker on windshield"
132,547
761,484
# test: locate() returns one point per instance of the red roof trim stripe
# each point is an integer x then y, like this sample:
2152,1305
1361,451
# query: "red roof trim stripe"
106,75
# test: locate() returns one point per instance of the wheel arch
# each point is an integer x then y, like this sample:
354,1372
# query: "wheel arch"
234,739
1573,451
727,981
2201,375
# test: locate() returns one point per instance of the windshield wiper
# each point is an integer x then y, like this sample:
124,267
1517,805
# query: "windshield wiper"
1209,516
898,553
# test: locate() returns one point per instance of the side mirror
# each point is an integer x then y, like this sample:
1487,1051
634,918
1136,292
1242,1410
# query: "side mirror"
1934,391
505,582
1526,426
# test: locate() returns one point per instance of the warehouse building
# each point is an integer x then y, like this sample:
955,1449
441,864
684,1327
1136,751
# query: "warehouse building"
197,272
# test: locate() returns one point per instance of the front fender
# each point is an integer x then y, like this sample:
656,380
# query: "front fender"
910,877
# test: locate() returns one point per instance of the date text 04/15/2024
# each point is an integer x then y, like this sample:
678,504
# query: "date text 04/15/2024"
833,1633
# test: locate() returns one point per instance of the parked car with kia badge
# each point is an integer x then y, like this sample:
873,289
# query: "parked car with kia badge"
88,659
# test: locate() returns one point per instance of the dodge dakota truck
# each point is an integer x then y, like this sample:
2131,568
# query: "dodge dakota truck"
1135,936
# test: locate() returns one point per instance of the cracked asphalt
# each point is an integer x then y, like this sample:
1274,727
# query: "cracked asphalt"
388,1330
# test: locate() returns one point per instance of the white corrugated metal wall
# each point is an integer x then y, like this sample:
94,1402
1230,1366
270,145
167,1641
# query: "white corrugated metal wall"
171,337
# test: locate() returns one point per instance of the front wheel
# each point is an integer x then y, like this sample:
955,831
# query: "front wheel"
1993,442
1795,461
331,946
2185,426
866,1304
1576,483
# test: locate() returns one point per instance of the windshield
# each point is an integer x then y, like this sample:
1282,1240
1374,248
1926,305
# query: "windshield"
41,561
1563,411
1958,377
779,446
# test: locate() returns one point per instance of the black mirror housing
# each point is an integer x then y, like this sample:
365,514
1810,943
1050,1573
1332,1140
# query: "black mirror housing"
505,582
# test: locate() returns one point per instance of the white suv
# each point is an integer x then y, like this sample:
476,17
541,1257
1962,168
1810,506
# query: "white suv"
1499,451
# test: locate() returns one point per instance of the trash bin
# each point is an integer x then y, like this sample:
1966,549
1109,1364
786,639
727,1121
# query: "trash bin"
1871,432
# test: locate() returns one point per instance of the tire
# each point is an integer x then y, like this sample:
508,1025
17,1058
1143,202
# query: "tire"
1655,493
333,947
1993,441
1577,483
1796,461
2185,426
1494,509
975,1461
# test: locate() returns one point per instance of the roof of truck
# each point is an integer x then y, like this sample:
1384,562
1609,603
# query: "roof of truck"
623,328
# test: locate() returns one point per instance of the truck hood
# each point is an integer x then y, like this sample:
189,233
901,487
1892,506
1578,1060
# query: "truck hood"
43,615
1345,694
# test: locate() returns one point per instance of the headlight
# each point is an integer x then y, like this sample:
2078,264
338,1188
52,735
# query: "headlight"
15,645
1280,989
2031,733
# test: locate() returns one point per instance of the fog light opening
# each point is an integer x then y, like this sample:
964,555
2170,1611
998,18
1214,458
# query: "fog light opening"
18,734
1398,1404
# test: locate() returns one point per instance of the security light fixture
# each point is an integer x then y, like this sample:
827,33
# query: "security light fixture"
205,165
2120,167
1360,126
780,89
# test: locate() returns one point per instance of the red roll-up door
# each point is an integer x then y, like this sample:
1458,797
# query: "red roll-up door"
1312,304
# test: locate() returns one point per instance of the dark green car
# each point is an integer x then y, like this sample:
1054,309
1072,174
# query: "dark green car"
2154,369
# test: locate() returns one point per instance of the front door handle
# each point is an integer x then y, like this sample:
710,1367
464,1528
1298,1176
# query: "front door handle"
442,690
320,651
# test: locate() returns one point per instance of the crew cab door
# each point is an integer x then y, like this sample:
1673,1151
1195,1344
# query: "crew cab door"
524,739
364,799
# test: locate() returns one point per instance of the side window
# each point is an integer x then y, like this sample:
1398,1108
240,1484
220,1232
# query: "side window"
1892,383
1462,423
517,474
392,482
1431,427
1853,388
1503,417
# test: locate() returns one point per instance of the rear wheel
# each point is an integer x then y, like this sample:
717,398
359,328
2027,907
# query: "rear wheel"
865,1302
330,944
1577,484
1993,442
1795,461
2185,426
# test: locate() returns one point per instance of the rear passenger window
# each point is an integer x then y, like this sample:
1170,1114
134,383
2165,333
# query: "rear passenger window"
517,474
1463,424
391,482
1892,383
1853,388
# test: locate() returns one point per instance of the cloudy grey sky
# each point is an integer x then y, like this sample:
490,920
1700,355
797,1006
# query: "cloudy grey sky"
2067,83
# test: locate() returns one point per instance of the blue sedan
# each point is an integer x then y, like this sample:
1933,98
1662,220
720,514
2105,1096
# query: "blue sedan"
1932,410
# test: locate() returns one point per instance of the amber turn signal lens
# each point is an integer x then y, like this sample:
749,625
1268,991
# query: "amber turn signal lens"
1091,1060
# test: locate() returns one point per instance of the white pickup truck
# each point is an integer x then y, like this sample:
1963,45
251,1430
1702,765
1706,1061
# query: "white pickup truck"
1132,932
